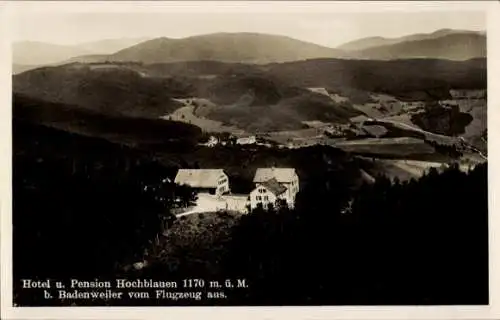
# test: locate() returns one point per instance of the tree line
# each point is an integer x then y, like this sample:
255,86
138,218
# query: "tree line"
88,209
419,242
83,207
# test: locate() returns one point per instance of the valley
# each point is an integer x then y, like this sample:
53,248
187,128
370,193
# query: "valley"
254,156
373,97
277,110
385,131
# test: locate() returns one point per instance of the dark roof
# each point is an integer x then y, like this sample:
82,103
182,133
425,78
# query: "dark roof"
274,186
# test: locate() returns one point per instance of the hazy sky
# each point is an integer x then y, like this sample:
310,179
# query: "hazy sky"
328,29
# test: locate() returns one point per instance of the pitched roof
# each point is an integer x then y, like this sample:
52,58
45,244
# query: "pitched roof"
274,186
199,178
280,174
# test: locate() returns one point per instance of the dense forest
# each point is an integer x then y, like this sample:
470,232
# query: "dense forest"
84,207
419,242
445,120
137,132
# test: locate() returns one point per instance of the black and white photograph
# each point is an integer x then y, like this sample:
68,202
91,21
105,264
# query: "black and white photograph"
204,157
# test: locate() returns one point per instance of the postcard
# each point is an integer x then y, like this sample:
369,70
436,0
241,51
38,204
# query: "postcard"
248,159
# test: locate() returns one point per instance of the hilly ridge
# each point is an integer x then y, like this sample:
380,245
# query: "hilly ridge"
108,46
27,55
225,47
457,46
370,42
40,53
255,98
411,79
250,48
116,91
228,82
138,132
264,48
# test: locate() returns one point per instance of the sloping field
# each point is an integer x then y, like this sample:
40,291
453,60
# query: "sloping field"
416,168
298,138
413,131
304,133
407,169
404,118
403,146
186,114
386,106
371,110
402,169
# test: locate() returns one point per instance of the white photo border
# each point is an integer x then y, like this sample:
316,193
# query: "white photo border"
8,11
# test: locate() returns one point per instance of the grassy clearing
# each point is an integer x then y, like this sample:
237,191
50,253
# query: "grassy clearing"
404,146
404,170
186,115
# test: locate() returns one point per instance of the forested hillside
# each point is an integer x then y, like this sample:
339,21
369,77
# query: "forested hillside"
80,207
423,242
418,242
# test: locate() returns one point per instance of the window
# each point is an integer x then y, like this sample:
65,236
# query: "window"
262,190
266,198
258,198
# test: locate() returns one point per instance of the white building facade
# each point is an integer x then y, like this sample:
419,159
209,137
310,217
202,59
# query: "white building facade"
272,184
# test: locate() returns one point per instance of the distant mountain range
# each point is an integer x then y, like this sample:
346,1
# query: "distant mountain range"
108,46
224,47
458,46
252,48
31,54
371,42
40,53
